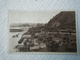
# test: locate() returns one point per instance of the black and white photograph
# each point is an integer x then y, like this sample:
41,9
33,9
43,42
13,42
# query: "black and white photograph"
42,31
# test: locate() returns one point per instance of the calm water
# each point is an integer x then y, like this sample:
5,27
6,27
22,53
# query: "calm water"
13,41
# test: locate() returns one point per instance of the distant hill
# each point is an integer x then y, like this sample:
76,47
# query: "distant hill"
23,25
63,20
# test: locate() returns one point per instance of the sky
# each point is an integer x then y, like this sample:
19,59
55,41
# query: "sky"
31,17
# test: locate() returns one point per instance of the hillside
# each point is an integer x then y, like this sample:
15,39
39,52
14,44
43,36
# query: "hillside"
63,20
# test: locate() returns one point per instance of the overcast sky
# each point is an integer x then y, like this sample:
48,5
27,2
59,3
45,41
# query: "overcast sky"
31,17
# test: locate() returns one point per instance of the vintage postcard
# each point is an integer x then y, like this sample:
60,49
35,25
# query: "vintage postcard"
42,31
